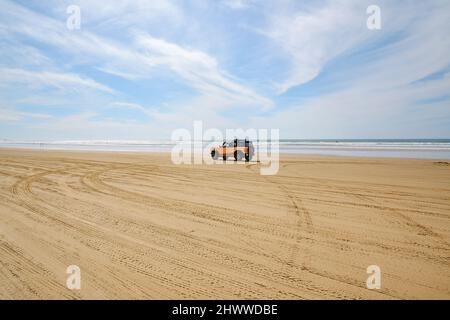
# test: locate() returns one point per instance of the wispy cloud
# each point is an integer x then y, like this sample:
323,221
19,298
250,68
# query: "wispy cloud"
238,4
65,81
124,13
8,115
199,70
136,59
313,36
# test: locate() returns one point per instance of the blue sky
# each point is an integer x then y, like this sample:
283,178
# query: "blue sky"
140,69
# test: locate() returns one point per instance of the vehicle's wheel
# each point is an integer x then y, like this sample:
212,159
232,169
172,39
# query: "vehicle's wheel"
239,156
214,155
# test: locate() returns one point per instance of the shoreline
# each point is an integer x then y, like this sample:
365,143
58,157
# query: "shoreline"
166,152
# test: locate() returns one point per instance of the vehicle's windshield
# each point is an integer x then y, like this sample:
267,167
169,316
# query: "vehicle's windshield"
241,143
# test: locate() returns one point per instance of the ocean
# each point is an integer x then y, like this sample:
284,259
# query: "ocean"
398,148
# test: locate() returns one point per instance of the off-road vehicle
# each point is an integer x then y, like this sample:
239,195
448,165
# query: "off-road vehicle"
239,149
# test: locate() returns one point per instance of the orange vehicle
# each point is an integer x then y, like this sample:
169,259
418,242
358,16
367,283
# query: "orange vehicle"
239,149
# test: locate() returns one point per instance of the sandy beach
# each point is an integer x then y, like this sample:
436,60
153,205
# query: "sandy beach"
140,227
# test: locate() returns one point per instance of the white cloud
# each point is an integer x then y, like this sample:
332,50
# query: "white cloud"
133,106
136,60
127,105
199,70
124,13
238,4
385,97
17,54
10,115
66,81
313,36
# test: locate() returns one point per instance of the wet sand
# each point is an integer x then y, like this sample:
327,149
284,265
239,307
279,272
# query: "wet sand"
140,227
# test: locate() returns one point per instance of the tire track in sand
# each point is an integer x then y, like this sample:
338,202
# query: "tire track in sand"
305,223
25,197
408,221
93,180
302,215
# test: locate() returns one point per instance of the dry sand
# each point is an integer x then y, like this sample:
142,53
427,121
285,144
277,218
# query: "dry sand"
140,227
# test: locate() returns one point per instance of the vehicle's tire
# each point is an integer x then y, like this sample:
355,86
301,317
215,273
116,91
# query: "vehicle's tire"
251,153
239,156
214,155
